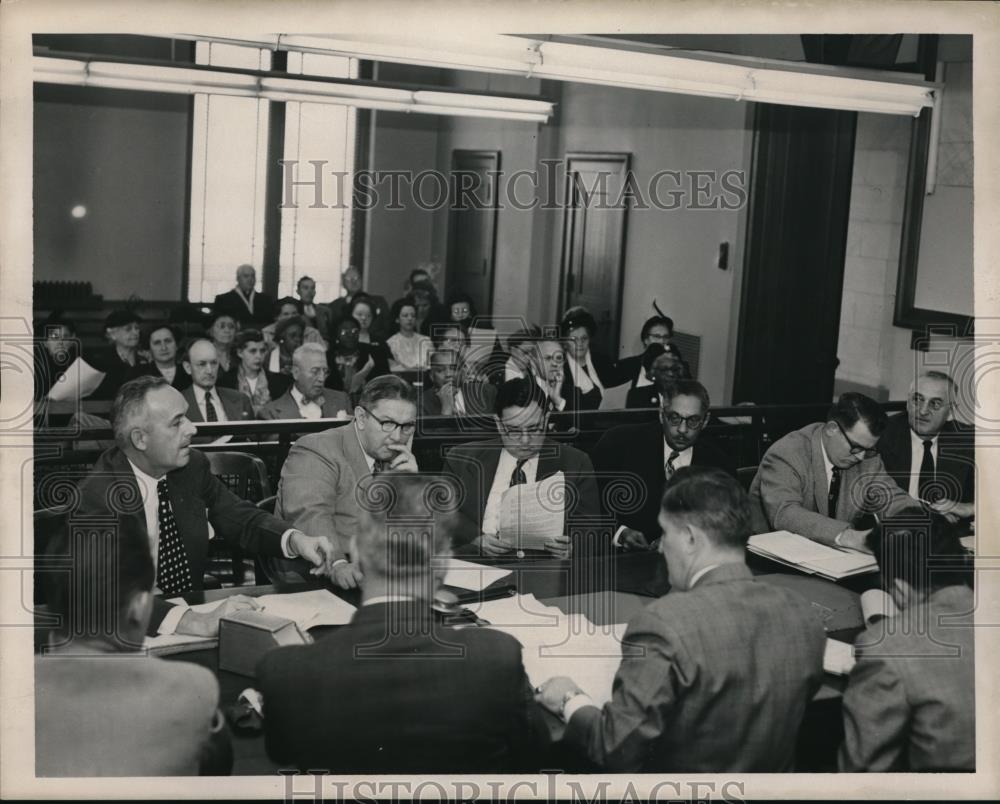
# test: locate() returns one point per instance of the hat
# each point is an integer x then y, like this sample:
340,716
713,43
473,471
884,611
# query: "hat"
119,318
285,323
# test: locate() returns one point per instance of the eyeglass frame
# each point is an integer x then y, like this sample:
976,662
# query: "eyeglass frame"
407,429
701,417
853,446
934,404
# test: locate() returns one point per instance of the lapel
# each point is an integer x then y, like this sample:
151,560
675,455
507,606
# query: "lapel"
286,406
190,514
348,435
821,488
550,460
488,459
194,412
231,403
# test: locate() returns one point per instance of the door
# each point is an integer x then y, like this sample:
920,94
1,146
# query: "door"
472,225
593,252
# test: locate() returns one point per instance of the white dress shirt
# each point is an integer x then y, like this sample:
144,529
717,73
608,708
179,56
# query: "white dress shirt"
220,410
584,380
459,403
683,459
501,482
308,410
917,458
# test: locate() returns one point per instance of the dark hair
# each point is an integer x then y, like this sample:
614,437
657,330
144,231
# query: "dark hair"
349,320
417,271
712,500
653,351
301,279
921,548
245,336
215,314
399,304
131,397
854,407
361,298
654,321
285,323
147,334
423,287
387,386
437,352
57,318
296,303
440,329
677,388
578,317
460,297
519,393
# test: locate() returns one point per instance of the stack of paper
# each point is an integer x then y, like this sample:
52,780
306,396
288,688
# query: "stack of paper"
531,513
475,577
809,556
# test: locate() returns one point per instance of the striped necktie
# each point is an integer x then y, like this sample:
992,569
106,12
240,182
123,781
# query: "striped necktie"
669,468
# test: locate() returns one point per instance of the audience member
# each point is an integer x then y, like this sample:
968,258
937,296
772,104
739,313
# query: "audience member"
450,335
362,310
521,454
910,698
658,330
816,481
410,349
353,363
56,347
589,371
317,316
450,394
341,308
929,456
307,398
168,489
461,309
288,335
120,359
208,402
91,685
250,377
243,303
541,357
396,672
418,275
221,330
319,478
661,365
716,675
289,307
654,452
161,343
429,310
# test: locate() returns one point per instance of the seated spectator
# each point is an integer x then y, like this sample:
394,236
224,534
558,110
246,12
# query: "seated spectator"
307,398
56,347
659,330
521,454
119,360
288,307
589,371
520,354
353,363
397,670
818,480
206,401
461,309
449,335
100,708
288,333
243,303
542,357
221,330
654,452
373,330
449,394
661,365
429,310
161,343
410,350
718,673
317,316
379,307
910,699
250,376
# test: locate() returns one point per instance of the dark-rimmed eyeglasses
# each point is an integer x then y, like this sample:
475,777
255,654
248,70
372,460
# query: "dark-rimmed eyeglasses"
693,422
854,446
389,425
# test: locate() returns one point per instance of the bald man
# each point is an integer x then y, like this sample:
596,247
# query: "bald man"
243,302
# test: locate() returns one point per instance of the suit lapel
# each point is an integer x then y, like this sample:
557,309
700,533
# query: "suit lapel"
821,488
353,450
194,412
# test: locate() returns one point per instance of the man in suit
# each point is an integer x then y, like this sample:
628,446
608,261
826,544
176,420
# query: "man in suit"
207,402
100,708
910,700
819,480
929,456
317,316
721,668
450,395
307,398
649,454
398,690
320,476
244,303
167,488
341,308
522,454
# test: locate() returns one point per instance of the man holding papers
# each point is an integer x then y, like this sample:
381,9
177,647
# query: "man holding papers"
725,666
497,517
818,480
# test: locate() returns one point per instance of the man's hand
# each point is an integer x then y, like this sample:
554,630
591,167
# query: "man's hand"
632,539
446,393
492,545
346,575
954,511
555,387
206,624
854,540
553,692
317,550
403,460
559,546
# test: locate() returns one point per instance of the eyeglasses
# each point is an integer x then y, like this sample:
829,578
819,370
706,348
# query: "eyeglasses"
935,404
389,426
657,337
855,447
675,419
518,432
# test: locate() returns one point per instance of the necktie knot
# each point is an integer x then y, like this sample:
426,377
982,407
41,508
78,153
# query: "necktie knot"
518,477
379,466
928,445
669,467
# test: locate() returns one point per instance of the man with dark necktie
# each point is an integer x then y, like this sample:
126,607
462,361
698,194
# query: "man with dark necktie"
207,402
244,303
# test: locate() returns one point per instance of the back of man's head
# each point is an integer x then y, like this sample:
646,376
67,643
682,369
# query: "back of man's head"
711,500
854,407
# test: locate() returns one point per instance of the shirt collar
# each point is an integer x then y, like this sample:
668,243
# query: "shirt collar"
701,574
300,400
368,458
918,440
826,458
199,394
142,477
667,449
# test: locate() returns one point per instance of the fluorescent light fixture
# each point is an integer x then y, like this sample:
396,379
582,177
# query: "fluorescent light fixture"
182,80
685,72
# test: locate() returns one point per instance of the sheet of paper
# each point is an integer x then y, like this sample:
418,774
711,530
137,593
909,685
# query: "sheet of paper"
474,577
165,644
78,381
309,609
876,602
810,556
519,610
838,657
533,512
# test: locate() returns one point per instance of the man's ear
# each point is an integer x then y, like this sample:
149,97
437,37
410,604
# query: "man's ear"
137,437
187,366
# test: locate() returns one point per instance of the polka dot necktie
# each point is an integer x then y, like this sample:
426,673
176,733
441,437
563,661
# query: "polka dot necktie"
172,569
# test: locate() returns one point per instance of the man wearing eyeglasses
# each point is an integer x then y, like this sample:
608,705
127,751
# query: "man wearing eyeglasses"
639,459
319,479
818,480
522,454
927,453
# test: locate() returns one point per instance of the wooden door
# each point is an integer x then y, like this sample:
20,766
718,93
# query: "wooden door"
472,225
593,252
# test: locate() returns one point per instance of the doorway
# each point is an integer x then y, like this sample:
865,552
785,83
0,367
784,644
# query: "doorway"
472,226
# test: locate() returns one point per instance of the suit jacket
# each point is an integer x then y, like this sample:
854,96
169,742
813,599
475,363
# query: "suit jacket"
319,483
790,489
478,397
633,454
643,396
231,303
236,404
715,679
395,692
285,407
475,466
197,497
910,699
956,464
119,715
277,384
322,321
181,379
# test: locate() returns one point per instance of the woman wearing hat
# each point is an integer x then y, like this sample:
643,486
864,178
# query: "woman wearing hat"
221,329
590,371
288,335
120,360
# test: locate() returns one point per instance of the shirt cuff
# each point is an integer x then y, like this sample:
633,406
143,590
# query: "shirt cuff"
286,548
168,625
339,561
617,540
561,405
574,704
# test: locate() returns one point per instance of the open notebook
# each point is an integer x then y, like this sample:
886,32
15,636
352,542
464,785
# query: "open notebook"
812,557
